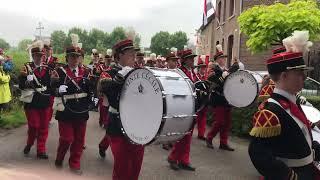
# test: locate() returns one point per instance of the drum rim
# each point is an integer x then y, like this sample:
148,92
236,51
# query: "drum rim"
163,120
255,99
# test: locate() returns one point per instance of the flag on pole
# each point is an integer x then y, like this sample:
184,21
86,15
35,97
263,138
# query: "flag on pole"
207,6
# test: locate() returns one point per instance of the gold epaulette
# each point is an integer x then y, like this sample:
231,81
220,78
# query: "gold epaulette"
265,124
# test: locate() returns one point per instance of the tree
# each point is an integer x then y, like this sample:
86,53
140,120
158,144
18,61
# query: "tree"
4,44
160,43
23,44
178,40
117,35
58,39
96,37
266,26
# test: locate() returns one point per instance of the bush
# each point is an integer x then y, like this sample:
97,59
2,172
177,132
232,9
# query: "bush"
242,117
14,116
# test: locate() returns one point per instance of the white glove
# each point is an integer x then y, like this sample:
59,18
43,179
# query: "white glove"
303,100
95,100
30,78
63,89
225,74
124,71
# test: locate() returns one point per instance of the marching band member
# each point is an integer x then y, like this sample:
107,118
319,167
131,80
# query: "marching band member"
151,61
128,157
282,145
159,63
172,61
94,57
179,157
202,114
36,105
71,82
139,60
221,108
267,83
104,106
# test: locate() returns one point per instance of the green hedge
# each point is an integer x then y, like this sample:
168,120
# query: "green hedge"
242,117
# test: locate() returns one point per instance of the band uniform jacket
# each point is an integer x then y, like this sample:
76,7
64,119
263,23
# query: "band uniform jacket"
80,104
277,137
42,74
216,97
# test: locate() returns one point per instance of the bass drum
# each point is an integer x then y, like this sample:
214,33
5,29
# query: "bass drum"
240,88
156,106
313,115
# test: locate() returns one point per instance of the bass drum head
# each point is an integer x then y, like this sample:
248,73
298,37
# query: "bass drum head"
312,115
141,106
240,89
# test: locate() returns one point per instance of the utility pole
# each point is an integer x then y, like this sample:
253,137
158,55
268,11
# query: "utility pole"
40,27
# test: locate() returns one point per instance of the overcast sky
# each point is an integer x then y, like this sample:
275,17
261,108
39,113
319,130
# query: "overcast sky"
19,19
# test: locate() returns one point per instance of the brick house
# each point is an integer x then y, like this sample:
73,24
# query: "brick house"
225,31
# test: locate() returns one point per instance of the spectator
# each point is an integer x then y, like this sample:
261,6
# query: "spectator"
5,94
241,65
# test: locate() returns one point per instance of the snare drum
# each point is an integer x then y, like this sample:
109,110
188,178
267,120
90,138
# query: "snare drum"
240,88
156,106
313,115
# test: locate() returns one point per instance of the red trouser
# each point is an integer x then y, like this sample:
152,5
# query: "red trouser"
127,158
50,108
201,121
221,124
181,150
105,142
104,119
72,135
104,115
38,125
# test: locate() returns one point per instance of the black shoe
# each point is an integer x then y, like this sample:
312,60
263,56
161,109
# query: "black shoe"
166,147
173,165
209,144
26,149
225,147
76,171
42,156
58,163
201,138
187,167
84,147
102,152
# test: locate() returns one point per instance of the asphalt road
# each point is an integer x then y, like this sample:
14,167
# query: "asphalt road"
211,164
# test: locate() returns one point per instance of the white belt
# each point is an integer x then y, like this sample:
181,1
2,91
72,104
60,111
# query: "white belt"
75,96
113,110
44,88
298,162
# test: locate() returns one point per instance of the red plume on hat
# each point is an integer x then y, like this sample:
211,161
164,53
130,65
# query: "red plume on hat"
292,58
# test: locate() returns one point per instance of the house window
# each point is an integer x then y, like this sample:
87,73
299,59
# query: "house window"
224,10
219,12
230,50
231,8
